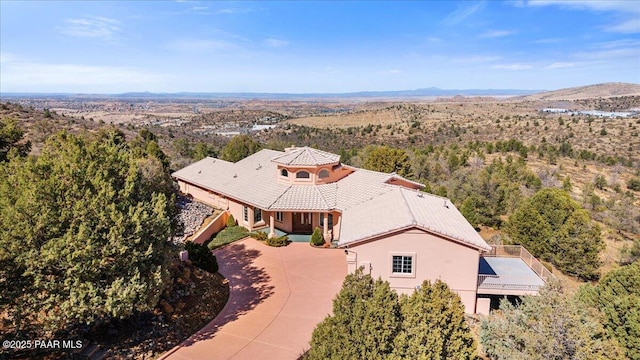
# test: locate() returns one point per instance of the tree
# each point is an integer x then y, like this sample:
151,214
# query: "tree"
388,160
10,136
552,325
556,229
239,148
316,237
617,297
433,325
369,322
84,235
566,184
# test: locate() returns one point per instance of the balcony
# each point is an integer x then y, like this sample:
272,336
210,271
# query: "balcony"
511,270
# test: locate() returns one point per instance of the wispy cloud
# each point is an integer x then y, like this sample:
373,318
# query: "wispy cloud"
91,27
513,67
232,11
628,11
560,65
275,43
462,13
495,33
475,59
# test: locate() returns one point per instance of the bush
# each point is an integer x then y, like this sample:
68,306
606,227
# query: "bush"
231,221
260,235
228,235
278,241
634,184
202,257
316,238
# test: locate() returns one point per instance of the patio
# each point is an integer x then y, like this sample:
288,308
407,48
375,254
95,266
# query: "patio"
294,237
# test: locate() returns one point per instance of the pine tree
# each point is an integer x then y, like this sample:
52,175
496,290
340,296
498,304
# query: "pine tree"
239,148
388,159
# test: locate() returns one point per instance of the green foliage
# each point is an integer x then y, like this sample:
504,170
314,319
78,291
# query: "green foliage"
617,296
549,326
387,159
433,325
10,136
556,229
260,235
231,221
201,256
227,236
316,237
600,182
634,184
366,319
278,241
239,148
566,184
84,232
369,322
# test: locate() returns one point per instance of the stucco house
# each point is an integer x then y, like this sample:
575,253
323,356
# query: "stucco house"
383,222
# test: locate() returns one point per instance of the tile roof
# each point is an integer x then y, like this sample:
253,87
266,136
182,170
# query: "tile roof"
369,205
306,156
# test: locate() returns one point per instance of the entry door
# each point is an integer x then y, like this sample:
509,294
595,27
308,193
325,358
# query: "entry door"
301,222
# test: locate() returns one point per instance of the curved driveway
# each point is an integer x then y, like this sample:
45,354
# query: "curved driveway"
277,296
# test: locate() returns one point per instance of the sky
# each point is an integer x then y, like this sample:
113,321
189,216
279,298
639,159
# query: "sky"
315,47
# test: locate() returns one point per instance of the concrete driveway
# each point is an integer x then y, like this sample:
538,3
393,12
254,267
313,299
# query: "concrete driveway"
277,296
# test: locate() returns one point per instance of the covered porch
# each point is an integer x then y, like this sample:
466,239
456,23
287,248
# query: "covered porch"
299,225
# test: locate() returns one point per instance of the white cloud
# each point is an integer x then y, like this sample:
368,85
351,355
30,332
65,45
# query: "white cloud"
34,76
275,43
461,13
495,33
513,67
630,26
91,27
560,65
475,59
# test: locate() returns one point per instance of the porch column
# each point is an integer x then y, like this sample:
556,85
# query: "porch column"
325,228
272,229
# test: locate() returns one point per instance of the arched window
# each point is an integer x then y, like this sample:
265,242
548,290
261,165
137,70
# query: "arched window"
284,173
323,174
302,175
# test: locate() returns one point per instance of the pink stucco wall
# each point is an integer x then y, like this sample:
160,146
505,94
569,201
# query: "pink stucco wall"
205,196
434,258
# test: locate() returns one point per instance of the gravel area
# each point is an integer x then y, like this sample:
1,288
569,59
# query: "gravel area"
192,213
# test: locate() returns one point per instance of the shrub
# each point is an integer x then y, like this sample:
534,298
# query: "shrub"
260,235
231,221
202,257
634,184
278,241
316,238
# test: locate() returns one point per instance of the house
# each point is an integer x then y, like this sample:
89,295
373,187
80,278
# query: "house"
383,222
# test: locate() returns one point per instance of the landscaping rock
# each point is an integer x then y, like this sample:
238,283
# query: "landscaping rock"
191,216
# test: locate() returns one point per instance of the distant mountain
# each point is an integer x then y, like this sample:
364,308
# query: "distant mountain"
604,90
426,92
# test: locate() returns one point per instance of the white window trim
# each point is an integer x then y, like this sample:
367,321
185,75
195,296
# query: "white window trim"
414,263
281,217
310,178
256,211
284,176
245,214
328,174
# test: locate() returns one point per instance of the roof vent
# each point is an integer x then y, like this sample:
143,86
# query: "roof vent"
445,204
235,176
259,167
420,195
199,171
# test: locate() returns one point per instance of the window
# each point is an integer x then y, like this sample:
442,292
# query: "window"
323,174
284,173
403,265
245,214
257,215
330,222
279,216
302,175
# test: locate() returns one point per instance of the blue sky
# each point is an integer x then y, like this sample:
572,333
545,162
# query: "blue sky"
332,46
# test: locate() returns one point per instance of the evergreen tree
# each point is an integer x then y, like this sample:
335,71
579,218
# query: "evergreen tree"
239,148
549,326
366,318
617,296
556,229
84,233
10,136
433,325
387,159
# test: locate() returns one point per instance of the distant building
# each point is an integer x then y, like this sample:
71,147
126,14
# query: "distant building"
555,110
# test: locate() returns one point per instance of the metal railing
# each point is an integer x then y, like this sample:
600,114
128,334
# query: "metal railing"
507,282
515,251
